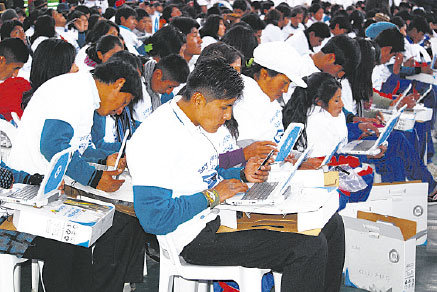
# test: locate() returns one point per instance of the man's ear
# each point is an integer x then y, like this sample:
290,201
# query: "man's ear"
158,74
330,58
319,102
2,60
100,55
118,84
122,19
198,99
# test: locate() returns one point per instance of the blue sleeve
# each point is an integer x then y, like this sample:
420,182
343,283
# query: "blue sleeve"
404,71
55,137
353,132
98,133
229,173
81,39
159,213
18,175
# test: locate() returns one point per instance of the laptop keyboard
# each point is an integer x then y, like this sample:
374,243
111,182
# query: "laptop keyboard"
260,191
27,193
364,145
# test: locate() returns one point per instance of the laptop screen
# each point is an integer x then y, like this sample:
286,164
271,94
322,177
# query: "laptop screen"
57,173
329,157
290,138
387,130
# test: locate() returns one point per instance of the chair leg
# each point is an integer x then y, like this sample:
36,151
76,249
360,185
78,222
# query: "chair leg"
35,275
203,286
251,280
277,277
184,285
165,281
145,266
7,267
17,278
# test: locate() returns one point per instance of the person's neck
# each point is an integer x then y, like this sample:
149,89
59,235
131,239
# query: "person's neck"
188,57
189,111
317,60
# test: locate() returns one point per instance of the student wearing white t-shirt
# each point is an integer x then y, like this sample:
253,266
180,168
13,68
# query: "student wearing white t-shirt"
295,23
54,122
125,18
258,112
177,184
213,29
274,22
305,41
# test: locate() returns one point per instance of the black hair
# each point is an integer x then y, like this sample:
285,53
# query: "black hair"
168,40
92,21
167,11
213,10
405,15
398,21
320,30
418,12
320,87
361,79
100,29
84,9
7,27
356,19
391,37
141,13
214,79
44,26
95,10
223,50
420,24
52,57
240,4
273,17
14,50
343,23
314,8
109,13
124,11
103,45
185,24
254,70
378,5
75,14
243,39
110,72
211,26
346,51
284,9
254,21
256,5
266,5
173,68
295,11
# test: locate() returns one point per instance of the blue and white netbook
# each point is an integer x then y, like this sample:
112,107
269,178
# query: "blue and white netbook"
329,157
48,190
288,140
370,147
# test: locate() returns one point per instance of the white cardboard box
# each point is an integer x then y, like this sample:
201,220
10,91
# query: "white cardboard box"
380,256
81,224
404,200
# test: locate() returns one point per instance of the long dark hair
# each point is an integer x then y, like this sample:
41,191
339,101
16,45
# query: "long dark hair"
361,79
211,26
100,29
320,87
103,45
44,26
52,58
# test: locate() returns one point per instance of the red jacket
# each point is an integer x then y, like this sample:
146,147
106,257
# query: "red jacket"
11,93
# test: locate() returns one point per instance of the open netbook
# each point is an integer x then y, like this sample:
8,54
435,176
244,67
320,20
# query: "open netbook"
48,190
370,147
267,193
288,140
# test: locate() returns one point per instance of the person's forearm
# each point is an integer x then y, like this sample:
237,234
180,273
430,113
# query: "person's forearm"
159,213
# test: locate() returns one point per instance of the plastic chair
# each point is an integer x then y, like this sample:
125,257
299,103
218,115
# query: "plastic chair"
10,132
10,274
16,118
195,277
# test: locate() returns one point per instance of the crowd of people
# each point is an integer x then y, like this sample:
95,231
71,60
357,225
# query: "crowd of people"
206,89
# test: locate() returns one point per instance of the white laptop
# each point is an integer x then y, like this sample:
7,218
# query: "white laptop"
48,190
370,147
267,193
288,140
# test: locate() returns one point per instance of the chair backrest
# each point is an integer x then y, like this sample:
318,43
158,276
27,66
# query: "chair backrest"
16,118
9,130
168,248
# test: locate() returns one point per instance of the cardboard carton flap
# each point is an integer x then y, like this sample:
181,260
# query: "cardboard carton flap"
407,227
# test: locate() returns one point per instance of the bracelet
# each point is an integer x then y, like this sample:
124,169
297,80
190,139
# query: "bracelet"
212,197
243,175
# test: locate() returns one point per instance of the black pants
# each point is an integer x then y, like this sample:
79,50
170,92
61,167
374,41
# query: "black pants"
66,268
307,263
118,255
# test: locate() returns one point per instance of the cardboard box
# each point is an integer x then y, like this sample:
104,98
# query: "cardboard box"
380,253
73,221
406,200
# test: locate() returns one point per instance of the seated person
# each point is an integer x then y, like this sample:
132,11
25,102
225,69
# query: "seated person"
176,189
13,55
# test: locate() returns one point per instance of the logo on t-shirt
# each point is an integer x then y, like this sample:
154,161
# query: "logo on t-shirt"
210,179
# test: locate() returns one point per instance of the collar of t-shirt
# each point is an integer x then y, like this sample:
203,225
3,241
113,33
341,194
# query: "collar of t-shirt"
122,26
181,116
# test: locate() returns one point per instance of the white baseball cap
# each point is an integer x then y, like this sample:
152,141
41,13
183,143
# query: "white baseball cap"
281,58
